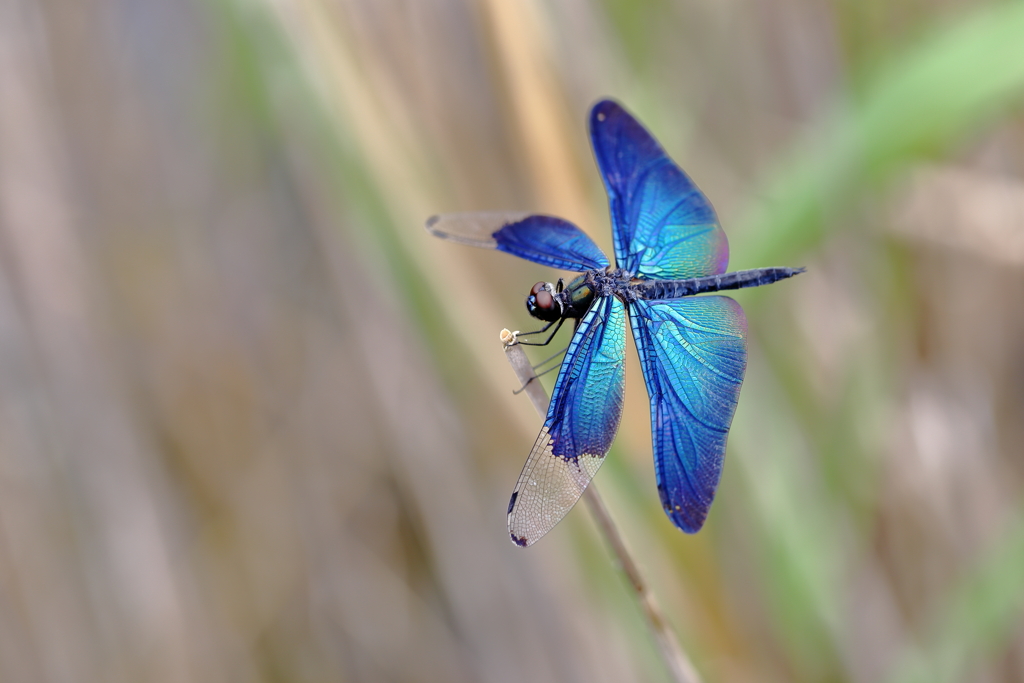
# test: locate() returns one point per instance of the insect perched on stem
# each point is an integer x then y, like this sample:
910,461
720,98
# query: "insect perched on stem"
669,247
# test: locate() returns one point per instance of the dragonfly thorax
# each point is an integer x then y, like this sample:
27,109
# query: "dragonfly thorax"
552,302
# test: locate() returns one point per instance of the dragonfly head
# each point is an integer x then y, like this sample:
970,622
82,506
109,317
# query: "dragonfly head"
542,302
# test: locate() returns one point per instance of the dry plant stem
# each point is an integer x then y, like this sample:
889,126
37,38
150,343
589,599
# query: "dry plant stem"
676,660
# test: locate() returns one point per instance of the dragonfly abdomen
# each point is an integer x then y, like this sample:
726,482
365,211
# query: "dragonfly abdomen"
675,289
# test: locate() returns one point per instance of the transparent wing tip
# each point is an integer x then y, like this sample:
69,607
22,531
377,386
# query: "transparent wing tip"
475,228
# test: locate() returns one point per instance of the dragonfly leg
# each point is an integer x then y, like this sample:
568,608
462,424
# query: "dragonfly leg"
543,372
541,330
549,359
536,376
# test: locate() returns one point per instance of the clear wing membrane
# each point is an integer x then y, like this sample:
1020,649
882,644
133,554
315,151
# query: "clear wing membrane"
664,227
475,228
693,353
582,419
542,239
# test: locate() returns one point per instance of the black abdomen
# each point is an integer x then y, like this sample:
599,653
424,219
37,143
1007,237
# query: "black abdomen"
675,289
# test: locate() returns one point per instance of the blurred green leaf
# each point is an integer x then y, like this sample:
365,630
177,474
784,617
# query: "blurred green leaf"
915,105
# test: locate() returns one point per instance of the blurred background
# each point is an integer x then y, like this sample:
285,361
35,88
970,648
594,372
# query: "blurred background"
256,424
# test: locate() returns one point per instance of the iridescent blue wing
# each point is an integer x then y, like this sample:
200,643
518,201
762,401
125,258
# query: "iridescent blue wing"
582,419
664,227
542,239
693,352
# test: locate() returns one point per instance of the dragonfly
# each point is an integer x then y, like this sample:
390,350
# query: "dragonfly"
669,248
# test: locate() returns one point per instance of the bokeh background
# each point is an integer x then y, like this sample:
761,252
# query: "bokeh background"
256,424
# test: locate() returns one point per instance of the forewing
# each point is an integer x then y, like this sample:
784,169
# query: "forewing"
582,419
543,239
693,352
664,227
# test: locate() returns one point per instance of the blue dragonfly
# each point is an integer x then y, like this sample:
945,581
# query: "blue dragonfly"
668,248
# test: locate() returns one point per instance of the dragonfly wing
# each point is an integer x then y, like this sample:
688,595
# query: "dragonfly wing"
543,239
582,419
664,227
693,352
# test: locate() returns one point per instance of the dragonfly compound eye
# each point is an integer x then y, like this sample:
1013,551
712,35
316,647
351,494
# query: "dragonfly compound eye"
541,303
